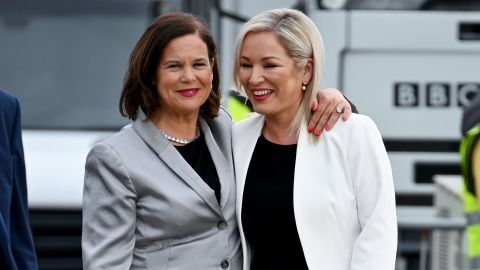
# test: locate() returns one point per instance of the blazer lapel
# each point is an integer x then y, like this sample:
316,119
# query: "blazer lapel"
245,136
167,152
225,175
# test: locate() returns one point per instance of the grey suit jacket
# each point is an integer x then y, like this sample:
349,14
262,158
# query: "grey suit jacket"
144,207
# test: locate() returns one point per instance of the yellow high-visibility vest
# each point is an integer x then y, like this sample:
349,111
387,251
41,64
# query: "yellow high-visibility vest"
238,107
470,165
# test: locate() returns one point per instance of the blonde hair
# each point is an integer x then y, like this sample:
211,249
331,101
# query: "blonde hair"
302,41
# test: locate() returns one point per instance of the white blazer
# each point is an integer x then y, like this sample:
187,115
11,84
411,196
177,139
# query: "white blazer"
344,199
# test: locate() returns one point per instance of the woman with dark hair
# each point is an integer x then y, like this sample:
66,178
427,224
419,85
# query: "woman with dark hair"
160,193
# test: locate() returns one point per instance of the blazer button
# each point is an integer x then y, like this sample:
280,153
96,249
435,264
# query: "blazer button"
222,225
224,264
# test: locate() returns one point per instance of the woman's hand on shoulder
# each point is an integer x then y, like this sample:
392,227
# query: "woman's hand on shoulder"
329,105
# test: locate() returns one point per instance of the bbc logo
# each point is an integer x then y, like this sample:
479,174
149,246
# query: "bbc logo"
437,94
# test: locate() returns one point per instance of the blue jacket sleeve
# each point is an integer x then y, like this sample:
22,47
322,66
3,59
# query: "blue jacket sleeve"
22,243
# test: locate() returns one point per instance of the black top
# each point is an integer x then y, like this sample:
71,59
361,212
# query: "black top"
197,155
267,210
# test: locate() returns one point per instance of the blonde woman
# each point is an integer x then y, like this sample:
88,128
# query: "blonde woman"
304,202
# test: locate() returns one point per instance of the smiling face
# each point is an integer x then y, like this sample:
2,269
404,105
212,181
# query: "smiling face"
184,75
269,76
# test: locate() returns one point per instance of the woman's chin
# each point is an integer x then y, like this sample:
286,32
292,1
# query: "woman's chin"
262,110
190,107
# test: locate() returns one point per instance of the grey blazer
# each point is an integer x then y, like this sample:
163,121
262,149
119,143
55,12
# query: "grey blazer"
144,207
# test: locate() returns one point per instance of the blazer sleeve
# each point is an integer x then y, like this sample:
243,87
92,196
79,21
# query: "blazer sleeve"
109,211
369,167
22,248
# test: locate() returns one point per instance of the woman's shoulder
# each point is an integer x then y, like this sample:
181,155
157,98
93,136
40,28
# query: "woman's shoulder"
357,128
252,121
121,135
117,140
356,122
361,119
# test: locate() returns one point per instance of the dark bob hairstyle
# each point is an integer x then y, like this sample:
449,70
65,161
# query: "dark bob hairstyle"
138,85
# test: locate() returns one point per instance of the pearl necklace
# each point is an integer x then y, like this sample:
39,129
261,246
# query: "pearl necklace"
181,141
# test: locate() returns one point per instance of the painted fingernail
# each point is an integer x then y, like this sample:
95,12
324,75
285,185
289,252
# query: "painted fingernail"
317,132
310,128
314,107
327,127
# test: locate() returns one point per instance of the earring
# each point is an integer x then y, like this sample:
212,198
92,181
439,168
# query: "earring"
304,87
